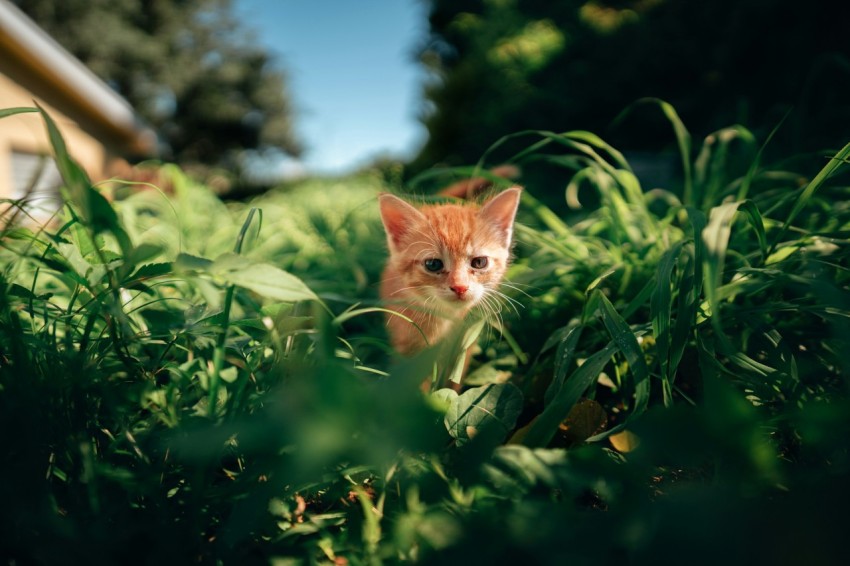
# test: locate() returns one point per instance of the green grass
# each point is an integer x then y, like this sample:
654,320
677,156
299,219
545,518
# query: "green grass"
187,380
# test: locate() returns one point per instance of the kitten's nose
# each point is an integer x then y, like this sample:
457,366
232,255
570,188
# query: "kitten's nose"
459,290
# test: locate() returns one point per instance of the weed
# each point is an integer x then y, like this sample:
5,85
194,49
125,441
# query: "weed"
186,380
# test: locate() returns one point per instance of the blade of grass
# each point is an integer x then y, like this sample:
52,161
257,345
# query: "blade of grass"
683,139
710,167
99,216
544,427
563,358
834,163
660,314
5,112
624,337
221,342
715,238
686,313
744,189
757,222
564,394
644,295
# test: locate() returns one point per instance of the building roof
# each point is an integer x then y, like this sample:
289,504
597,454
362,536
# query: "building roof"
21,39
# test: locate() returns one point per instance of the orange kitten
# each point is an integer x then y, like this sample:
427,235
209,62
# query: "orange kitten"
444,260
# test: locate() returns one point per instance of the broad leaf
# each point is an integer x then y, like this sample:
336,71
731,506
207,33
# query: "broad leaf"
490,411
262,278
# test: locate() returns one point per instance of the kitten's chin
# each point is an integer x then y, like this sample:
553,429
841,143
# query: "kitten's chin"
454,303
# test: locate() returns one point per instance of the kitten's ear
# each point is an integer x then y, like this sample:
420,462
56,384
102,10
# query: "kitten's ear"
398,218
500,211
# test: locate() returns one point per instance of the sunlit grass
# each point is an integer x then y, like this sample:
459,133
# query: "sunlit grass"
191,380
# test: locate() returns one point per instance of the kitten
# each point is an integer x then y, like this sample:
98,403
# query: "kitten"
445,259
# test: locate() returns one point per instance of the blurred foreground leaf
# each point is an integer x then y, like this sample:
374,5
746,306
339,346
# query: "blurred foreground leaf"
262,278
490,412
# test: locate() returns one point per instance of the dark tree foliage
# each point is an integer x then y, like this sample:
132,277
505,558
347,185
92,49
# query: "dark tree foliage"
503,66
186,66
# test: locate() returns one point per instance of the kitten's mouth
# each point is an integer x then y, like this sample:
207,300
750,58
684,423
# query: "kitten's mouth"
452,301
459,299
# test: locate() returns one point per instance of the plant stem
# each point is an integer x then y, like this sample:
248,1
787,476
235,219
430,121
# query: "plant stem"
221,343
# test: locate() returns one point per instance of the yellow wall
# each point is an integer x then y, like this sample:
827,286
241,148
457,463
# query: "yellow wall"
26,133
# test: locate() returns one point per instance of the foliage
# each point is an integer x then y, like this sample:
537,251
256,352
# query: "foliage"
502,66
215,387
187,68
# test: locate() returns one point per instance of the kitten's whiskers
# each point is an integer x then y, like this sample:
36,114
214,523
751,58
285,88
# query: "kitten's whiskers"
515,286
505,299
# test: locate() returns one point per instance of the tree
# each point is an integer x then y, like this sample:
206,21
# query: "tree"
186,66
502,66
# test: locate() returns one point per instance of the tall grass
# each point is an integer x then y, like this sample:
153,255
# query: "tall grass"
192,381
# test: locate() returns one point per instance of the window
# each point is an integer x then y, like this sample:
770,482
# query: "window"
36,180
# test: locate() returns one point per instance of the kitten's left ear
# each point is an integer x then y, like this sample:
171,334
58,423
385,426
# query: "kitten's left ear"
501,210
399,218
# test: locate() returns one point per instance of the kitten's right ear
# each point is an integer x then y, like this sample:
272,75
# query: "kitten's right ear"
500,211
398,218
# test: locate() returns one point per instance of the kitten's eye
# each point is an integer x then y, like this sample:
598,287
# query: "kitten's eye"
479,262
433,264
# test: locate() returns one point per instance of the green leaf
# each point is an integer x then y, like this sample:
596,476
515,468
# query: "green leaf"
229,375
698,222
470,336
544,428
589,292
353,313
686,313
16,290
832,165
443,398
13,111
144,253
744,190
711,166
151,270
188,262
563,358
660,313
92,274
145,272
262,278
715,238
757,222
599,143
639,300
97,213
490,412
75,178
624,338
518,469
683,139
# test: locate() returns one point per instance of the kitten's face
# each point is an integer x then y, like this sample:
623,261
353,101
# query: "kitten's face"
452,256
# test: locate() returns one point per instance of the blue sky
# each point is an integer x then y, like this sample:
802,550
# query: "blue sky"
352,73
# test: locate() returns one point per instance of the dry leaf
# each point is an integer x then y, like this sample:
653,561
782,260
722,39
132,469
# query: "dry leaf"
586,418
624,441
519,435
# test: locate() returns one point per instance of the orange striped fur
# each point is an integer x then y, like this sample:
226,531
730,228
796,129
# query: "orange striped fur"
445,260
